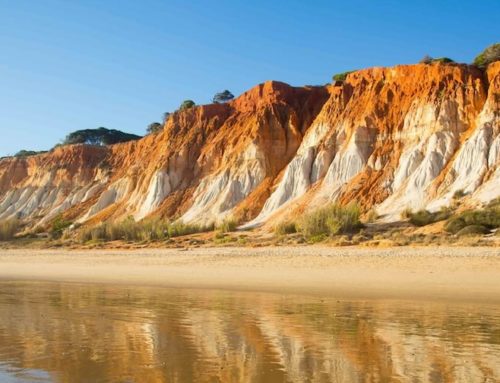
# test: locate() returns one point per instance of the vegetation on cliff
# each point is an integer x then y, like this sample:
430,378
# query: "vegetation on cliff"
99,136
154,127
341,77
430,60
488,56
187,104
222,97
275,152
28,153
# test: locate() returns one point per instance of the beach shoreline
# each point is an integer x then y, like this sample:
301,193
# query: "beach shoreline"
414,273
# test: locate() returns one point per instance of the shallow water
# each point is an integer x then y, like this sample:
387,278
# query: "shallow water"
52,332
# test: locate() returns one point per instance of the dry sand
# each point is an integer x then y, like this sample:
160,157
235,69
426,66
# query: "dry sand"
465,274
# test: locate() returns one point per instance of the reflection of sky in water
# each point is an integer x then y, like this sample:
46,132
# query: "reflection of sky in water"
98,333
13,375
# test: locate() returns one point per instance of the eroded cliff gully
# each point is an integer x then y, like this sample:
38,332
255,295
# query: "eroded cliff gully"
390,138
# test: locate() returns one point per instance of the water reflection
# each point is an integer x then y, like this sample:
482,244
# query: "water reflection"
93,333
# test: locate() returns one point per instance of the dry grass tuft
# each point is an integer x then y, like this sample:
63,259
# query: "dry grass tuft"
147,230
331,220
9,228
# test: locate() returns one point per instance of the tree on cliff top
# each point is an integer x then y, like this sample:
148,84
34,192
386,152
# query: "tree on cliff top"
430,60
99,136
222,97
341,77
187,104
166,116
426,60
28,153
489,55
154,127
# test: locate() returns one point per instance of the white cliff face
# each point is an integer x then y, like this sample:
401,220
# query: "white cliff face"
296,181
421,164
429,136
489,189
158,190
348,160
487,152
439,149
419,167
389,138
74,198
469,167
43,199
334,165
307,167
218,194
114,193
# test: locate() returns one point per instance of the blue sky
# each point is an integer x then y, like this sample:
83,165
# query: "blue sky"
68,65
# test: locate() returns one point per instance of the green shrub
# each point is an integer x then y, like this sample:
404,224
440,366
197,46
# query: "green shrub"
494,204
454,225
489,55
221,238
179,228
424,217
488,217
99,136
222,97
219,235
242,241
228,225
59,224
444,60
284,228
430,60
473,230
9,228
98,233
154,128
86,234
317,238
28,153
459,194
341,76
421,218
187,104
444,213
331,220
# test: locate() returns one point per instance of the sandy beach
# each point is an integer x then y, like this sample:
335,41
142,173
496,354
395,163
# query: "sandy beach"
465,274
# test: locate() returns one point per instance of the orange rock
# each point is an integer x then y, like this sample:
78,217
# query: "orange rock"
389,138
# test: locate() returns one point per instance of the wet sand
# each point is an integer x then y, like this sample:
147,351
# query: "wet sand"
429,273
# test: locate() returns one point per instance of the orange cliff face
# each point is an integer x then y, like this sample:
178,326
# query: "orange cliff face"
389,138
396,138
222,150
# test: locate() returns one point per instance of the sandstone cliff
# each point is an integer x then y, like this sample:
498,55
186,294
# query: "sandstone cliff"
389,138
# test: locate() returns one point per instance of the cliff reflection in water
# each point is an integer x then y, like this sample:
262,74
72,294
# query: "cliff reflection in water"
95,333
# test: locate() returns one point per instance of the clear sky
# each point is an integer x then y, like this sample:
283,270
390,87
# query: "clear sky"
68,65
